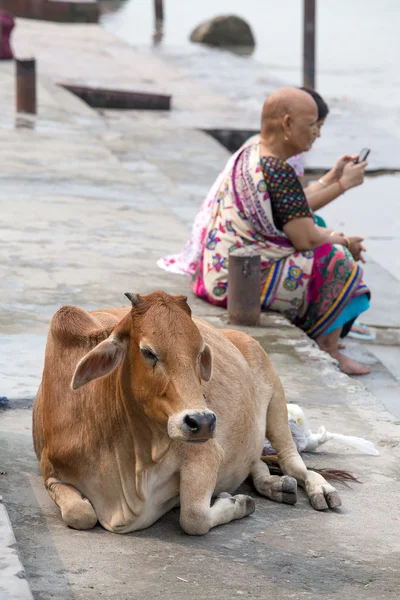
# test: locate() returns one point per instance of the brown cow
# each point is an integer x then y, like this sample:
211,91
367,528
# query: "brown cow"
163,410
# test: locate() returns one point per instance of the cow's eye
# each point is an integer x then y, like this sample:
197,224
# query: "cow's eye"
149,355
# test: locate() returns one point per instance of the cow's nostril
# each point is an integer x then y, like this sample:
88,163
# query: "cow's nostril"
212,421
193,423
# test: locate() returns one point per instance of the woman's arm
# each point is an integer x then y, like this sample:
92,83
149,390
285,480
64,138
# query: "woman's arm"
344,175
329,178
291,212
305,235
322,183
317,197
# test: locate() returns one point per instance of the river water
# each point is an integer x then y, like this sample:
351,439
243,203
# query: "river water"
358,58
358,42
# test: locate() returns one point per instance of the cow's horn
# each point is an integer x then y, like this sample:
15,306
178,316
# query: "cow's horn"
133,298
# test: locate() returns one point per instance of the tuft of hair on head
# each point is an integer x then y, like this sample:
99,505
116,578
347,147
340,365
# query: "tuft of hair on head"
181,301
323,108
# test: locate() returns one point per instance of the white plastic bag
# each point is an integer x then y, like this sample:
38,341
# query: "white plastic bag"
306,441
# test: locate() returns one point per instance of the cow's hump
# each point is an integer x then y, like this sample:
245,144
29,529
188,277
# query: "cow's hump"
76,326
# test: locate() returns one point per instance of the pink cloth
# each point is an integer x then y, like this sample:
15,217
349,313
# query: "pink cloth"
7,24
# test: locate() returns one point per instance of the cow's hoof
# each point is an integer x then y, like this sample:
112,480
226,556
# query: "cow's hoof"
333,499
276,488
245,505
289,490
325,499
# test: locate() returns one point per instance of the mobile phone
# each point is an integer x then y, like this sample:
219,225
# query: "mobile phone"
363,155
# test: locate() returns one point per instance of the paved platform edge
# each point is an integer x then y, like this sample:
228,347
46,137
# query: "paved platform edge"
13,582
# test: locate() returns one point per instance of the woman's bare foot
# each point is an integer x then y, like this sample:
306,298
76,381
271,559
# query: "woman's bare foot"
351,367
329,342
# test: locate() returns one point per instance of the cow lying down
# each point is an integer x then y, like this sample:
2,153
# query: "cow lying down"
144,408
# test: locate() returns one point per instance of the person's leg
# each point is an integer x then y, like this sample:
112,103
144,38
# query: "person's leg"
329,342
359,331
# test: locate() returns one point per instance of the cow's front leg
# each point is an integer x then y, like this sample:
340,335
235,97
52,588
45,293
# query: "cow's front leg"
322,495
198,482
76,511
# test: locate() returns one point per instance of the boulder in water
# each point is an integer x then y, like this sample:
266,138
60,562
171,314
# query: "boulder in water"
227,30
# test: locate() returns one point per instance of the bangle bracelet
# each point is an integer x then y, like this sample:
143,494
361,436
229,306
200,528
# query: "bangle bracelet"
347,243
341,186
321,182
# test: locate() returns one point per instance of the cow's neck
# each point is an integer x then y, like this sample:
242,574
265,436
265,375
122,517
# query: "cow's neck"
150,443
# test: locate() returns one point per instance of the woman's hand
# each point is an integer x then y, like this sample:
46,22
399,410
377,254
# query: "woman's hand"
353,174
340,165
356,247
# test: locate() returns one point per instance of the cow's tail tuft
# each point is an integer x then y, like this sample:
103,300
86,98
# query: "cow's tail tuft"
337,475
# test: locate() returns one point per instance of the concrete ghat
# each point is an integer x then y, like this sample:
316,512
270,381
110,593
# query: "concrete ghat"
89,201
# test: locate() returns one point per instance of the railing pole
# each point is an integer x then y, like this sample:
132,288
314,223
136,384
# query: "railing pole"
309,44
244,288
159,11
158,21
26,86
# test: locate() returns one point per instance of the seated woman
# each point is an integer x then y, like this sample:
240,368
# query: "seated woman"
326,189
308,273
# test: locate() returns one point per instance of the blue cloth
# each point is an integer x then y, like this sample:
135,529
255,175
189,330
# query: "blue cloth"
355,307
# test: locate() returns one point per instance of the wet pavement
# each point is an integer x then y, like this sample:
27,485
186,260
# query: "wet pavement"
348,37
89,201
228,90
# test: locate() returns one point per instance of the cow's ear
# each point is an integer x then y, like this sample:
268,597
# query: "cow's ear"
100,361
206,363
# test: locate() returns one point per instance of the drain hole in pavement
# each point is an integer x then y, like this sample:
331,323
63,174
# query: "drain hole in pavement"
103,97
232,139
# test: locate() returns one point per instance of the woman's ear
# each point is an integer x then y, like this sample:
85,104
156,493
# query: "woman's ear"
286,126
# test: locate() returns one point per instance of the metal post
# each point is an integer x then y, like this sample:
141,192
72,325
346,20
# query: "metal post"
158,22
26,86
309,44
159,11
244,287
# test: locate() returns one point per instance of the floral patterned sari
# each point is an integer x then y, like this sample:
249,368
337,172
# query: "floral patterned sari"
310,288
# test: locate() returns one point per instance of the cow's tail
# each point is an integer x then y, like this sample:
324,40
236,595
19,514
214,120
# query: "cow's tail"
337,475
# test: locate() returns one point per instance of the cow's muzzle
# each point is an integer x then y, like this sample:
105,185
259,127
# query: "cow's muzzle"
192,426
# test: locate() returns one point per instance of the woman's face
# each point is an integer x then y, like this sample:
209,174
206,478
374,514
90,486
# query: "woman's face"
303,129
320,123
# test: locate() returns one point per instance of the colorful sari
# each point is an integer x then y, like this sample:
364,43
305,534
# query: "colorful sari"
312,288
186,261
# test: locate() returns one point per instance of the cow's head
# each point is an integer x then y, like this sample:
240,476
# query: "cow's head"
162,359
